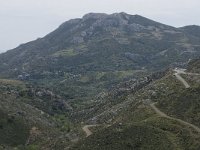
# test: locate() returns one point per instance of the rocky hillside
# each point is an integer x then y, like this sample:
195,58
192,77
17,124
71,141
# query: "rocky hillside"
192,30
30,120
164,109
89,55
105,72
101,42
194,66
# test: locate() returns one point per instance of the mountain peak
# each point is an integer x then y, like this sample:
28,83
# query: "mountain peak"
104,15
123,18
94,16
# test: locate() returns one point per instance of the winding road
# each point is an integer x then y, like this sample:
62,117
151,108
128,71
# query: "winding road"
178,76
177,73
162,114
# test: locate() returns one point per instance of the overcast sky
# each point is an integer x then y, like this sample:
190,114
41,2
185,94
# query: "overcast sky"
25,20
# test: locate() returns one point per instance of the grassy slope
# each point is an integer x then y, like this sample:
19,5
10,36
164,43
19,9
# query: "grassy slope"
87,68
128,137
18,118
179,102
13,131
142,129
194,66
137,125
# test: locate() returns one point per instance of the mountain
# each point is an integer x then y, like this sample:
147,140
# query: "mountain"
192,30
89,55
101,42
106,76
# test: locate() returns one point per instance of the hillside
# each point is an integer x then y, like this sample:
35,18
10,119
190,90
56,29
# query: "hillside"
88,55
192,30
194,66
138,125
101,42
112,76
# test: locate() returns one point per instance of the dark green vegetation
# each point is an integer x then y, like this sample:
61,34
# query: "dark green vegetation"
13,131
100,42
127,137
26,119
180,102
194,66
86,56
100,69
186,104
137,126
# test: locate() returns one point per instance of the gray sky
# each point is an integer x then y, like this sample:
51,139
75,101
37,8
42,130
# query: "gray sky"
25,20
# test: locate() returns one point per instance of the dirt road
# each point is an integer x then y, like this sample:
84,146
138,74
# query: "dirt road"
87,130
162,114
182,80
178,73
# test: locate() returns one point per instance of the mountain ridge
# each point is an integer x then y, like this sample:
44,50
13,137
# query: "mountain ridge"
106,70
74,40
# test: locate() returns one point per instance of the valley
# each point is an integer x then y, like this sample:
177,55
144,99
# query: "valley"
103,82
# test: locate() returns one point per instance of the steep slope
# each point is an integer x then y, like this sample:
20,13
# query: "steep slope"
13,131
26,120
95,72
184,103
194,66
174,119
86,56
192,30
101,42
